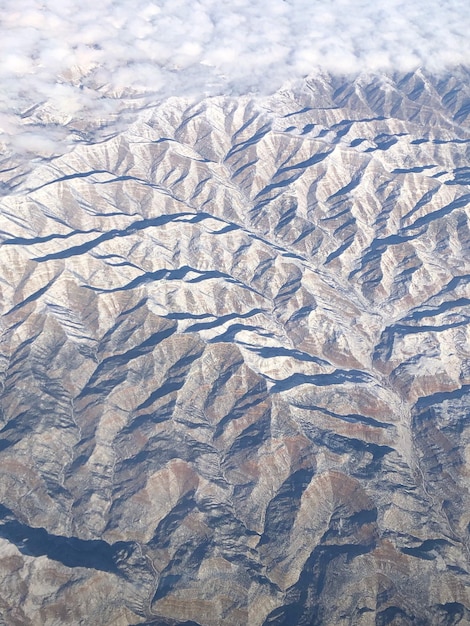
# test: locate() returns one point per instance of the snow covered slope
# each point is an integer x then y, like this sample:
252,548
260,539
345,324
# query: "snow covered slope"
235,362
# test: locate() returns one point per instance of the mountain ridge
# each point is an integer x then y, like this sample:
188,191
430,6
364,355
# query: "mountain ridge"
235,363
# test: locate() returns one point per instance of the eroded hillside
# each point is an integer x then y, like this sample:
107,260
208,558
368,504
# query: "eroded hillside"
235,364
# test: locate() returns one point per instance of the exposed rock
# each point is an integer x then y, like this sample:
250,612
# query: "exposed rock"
235,365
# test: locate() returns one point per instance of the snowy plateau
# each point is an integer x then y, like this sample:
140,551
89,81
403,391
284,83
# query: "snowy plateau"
235,362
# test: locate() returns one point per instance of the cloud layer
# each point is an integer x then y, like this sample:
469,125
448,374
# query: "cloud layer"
94,58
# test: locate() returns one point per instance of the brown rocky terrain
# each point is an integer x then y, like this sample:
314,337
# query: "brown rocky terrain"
235,364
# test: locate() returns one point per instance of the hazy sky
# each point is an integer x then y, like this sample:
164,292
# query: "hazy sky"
81,57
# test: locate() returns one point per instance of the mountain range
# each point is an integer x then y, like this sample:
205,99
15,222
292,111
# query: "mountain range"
235,363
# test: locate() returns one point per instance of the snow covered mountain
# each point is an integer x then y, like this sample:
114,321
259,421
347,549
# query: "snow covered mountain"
235,363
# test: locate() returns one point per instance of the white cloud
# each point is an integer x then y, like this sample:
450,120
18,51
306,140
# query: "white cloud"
79,58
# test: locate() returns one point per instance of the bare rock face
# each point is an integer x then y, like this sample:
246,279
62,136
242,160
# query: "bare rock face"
235,364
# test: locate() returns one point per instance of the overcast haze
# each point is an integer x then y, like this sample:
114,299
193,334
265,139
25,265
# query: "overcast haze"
82,58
